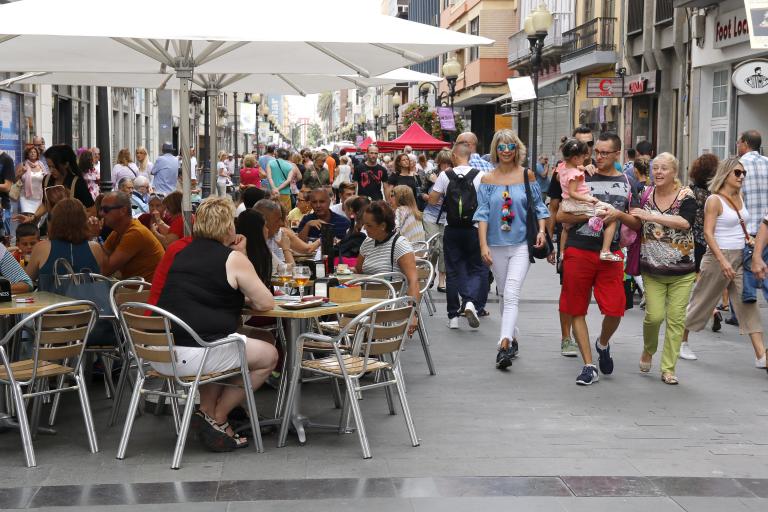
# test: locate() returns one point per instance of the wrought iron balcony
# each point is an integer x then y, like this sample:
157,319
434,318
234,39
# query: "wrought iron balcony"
596,35
519,49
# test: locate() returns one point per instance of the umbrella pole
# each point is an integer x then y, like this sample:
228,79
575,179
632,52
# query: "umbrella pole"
213,117
185,81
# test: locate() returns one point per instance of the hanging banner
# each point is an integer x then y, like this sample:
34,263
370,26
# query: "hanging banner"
10,142
757,17
447,122
247,118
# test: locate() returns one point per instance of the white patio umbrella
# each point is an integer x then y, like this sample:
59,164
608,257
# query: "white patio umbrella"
151,36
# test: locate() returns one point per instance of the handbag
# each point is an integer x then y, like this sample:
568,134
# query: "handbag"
627,235
532,227
83,285
632,260
15,192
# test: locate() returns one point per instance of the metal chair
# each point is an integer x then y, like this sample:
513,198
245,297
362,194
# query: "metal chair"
58,351
378,338
433,256
151,340
426,276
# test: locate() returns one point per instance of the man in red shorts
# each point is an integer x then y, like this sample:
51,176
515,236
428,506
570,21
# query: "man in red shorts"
583,270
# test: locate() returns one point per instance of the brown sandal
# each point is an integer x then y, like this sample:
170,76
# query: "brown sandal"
669,378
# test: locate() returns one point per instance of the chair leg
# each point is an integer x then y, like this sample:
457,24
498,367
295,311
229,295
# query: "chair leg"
431,308
85,403
174,406
425,345
21,417
37,407
337,402
130,417
56,401
387,391
253,413
160,405
109,388
404,405
121,380
281,388
352,392
181,440
344,417
287,411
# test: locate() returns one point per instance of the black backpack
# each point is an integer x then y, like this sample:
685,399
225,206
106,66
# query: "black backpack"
460,200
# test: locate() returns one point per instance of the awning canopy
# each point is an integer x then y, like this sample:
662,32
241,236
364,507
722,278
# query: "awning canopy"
416,137
364,145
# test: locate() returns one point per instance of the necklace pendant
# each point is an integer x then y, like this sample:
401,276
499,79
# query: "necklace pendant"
506,227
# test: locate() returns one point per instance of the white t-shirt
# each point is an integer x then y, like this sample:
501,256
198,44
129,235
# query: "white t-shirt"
221,180
441,185
339,208
193,167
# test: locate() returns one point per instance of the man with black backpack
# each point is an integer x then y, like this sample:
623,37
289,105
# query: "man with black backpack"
466,275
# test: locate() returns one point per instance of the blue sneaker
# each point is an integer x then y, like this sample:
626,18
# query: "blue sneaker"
588,375
605,359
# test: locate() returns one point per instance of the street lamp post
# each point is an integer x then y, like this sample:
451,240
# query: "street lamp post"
536,26
376,115
397,100
424,88
261,110
236,176
451,70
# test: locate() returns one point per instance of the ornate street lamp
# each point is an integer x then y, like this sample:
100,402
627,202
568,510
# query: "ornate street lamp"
397,100
376,115
536,26
451,70
258,100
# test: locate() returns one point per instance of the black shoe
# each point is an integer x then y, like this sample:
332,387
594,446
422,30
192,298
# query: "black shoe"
503,361
605,361
587,376
513,349
732,321
441,289
717,322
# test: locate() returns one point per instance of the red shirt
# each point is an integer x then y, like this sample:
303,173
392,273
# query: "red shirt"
161,272
250,176
177,225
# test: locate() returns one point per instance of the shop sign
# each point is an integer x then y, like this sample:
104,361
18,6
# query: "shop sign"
447,121
10,141
604,87
751,77
644,83
758,23
731,28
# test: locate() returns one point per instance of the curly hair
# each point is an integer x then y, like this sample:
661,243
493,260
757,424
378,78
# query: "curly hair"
703,169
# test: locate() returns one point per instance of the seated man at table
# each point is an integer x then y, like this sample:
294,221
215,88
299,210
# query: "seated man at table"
12,271
131,248
309,228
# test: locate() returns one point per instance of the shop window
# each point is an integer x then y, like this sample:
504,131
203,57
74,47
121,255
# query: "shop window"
720,84
719,145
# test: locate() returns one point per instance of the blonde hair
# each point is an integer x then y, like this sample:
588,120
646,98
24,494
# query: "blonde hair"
724,170
145,163
404,197
672,159
444,157
214,219
124,157
222,153
249,160
506,136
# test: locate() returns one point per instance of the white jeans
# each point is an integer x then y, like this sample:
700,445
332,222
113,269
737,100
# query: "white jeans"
510,266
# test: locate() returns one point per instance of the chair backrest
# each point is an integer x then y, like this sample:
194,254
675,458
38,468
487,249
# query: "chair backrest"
425,273
396,279
60,333
382,328
420,249
434,249
375,288
129,290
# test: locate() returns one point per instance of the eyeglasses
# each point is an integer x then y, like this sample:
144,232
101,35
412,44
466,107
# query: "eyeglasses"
107,209
739,173
603,154
506,147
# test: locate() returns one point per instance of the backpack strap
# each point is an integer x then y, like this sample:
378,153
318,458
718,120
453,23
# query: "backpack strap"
392,252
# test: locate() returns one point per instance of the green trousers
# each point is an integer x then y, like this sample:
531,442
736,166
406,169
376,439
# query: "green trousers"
666,298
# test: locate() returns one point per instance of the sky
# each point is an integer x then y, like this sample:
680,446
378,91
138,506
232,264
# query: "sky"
305,106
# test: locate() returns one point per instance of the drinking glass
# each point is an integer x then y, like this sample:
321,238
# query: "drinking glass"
284,275
301,275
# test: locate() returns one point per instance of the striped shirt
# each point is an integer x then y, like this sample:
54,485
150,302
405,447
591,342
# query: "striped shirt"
11,270
755,188
380,258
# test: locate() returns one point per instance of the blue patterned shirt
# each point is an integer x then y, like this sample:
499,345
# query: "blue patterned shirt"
477,162
489,206
755,188
11,270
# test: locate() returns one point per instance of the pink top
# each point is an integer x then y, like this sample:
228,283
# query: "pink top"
567,175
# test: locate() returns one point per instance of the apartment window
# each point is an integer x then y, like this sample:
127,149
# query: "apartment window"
719,146
474,29
720,93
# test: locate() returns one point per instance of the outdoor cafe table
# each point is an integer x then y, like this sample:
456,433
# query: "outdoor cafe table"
9,312
297,322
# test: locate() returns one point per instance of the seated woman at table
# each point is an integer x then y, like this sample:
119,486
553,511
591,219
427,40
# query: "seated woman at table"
253,227
168,231
12,271
385,250
68,238
208,284
354,207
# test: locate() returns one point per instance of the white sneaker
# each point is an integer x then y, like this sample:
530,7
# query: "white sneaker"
471,315
453,323
687,353
760,363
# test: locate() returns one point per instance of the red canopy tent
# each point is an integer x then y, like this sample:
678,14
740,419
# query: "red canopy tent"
364,145
416,137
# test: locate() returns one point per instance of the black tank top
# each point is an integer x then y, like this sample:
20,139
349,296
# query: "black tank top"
196,290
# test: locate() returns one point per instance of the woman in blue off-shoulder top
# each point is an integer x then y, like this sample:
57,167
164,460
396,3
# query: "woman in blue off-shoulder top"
501,217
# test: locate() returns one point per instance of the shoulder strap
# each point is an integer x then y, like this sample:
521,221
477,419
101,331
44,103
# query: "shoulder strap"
629,193
741,221
72,186
471,174
392,252
646,195
451,175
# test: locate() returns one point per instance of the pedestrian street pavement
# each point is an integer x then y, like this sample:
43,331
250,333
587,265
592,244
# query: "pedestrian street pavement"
524,439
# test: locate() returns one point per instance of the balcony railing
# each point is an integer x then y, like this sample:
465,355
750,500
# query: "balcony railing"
635,15
593,36
665,9
520,48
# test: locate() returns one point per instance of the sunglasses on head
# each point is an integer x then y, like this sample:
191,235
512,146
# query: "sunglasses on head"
739,173
506,147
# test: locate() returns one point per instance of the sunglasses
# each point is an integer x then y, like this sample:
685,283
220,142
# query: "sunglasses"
590,143
107,209
506,147
739,173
